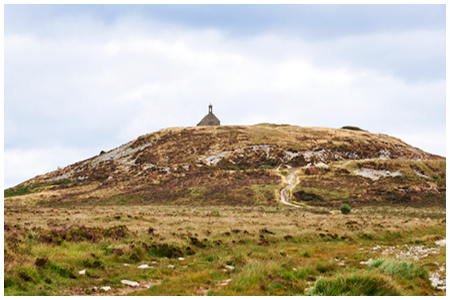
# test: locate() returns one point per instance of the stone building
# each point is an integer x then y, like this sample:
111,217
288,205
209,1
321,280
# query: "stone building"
210,119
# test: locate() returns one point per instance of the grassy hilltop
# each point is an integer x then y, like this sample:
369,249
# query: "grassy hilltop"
198,211
244,165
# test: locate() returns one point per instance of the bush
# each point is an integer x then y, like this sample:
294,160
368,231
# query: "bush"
165,250
353,128
345,209
265,167
311,171
233,168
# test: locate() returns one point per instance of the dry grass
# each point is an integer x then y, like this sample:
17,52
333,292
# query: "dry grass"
113,182
337,184
274,251
201,141
226,221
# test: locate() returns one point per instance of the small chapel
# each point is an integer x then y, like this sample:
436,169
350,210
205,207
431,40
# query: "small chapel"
210,119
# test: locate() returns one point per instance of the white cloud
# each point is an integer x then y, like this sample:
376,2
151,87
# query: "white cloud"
412,55
88,86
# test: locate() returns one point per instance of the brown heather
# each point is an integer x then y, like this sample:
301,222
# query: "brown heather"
109,216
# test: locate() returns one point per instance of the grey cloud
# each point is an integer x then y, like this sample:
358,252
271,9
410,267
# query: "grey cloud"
307,21
101,86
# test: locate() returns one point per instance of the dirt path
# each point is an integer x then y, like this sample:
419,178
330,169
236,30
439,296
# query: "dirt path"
284,194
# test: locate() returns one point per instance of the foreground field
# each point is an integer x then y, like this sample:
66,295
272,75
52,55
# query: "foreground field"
188,250
203,211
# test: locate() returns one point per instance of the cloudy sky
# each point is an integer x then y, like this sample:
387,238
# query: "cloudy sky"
79,79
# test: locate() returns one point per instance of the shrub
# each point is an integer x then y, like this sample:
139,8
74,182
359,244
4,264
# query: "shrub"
304,196
165,250
265,167
345,209
233,168
311,171
353,128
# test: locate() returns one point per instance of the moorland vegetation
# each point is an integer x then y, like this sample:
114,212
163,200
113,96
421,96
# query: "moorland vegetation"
197,211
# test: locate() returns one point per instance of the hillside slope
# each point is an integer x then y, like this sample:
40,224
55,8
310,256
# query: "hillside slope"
244,165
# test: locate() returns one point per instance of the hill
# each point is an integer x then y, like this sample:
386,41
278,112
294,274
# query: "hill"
246,165
209,211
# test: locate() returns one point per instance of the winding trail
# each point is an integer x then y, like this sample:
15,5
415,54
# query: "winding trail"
284,195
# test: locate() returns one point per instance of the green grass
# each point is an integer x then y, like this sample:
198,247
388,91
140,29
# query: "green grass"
383,277
23,190
358,284
401,269
264,263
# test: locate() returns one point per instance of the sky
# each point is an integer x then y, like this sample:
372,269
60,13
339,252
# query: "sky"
80,79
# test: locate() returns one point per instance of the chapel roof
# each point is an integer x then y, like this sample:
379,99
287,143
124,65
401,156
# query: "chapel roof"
210,119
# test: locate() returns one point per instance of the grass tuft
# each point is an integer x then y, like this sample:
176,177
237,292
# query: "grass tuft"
359,284
401,268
